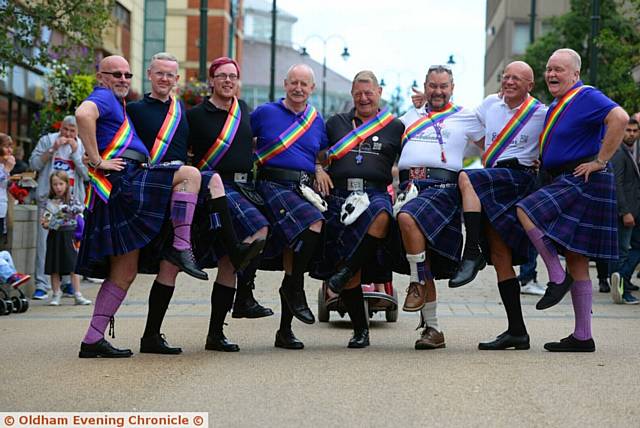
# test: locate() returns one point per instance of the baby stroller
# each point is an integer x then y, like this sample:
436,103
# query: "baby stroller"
12,299
374,301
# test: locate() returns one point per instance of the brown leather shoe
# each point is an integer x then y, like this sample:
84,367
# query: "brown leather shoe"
431,339
416,297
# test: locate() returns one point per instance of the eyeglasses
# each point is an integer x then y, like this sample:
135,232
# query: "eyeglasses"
224,76
118,74
161,74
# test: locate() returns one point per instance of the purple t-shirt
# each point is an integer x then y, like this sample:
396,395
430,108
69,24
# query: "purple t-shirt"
269,120
579,131
111,117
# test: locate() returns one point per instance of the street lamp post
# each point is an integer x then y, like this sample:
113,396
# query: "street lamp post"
345,55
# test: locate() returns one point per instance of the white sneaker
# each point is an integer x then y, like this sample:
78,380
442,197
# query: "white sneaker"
533,287
55,299
617,288
80,300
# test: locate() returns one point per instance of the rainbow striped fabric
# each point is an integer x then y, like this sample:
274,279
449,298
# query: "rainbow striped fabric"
223,140
430,119
509,131
166,132
359,134
554,115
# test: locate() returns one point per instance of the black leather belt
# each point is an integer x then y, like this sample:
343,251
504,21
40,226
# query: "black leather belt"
281,174
355,184
237,177
512,163
567,168
423,173
134,156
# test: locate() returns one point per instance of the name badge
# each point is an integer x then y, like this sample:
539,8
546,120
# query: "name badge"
355,184
241,177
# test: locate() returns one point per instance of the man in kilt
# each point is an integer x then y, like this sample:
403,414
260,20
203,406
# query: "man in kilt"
290,133
365,143
432,149
221,141
513,122
127,201
576,212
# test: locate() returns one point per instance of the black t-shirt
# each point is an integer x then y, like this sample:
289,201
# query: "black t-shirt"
378,152
147,116
206,122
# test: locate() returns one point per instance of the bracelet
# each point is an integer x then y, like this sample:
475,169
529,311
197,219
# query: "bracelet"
95,165
601,162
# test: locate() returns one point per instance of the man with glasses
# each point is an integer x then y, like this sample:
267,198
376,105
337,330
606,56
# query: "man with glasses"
432,149
126,201
513,122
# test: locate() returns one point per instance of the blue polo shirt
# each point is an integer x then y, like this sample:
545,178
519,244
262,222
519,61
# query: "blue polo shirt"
579,131
270,120
111,117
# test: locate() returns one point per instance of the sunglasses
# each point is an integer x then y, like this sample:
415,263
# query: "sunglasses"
118,74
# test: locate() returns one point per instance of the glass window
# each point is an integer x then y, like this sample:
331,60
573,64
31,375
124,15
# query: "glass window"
520,38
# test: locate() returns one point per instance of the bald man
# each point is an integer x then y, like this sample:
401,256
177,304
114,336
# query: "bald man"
290,133
513,123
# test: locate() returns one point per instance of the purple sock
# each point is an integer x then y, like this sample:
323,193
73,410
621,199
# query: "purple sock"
581,296
548,253
183,205
107,303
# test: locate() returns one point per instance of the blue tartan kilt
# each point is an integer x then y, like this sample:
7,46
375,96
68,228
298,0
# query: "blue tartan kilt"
137,209
289,215
342,241
579,217
499,189
246,217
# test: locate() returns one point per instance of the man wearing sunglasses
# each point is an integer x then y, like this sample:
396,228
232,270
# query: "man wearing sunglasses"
125,203
432,149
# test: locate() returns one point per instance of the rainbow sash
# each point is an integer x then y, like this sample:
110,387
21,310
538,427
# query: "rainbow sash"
510,130
98,184
223,140
554,115
358,135
166,132
288,137
430,119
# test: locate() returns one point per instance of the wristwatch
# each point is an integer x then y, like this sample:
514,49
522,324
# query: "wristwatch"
601,162
95,165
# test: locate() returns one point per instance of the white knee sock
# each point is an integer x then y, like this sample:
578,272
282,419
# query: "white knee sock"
429,315
417,266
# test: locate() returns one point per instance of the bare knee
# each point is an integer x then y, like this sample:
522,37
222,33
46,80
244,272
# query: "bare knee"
380,225
406,222
216,188
464,184
316,227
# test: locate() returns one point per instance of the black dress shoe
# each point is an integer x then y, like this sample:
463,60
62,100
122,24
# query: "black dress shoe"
632,287
296,301
467,271
244,252
185,260
249,308
360,339
102,349
157,344
505,341
554,293
287,340
339,279
571,344
220,343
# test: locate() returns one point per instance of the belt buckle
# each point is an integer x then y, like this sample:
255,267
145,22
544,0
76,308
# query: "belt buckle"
418,173
355,184
241,177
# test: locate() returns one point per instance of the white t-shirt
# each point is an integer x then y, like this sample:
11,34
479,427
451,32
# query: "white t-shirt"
423,150
494,114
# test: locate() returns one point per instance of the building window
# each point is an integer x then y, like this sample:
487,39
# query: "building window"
520,38
121,15
155,12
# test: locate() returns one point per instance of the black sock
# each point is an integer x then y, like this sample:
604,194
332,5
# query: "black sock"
305,248
159,298
510,295
221,303
220,206
287,316
246,278
354,302
364,253
472,225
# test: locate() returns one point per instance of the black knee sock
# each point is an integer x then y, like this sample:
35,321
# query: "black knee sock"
472,225
287,316
354,302
510,295
227,232
221,302
159,298
364,253
246,278
302,255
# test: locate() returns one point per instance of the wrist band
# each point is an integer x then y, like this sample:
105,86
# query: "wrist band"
95,165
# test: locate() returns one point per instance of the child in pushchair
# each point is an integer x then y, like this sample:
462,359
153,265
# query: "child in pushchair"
12,299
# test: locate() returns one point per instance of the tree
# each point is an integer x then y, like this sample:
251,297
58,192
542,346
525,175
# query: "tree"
618,48
34,31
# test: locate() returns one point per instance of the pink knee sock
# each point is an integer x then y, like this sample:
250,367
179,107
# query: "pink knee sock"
581,296
548,253
183,205
107,303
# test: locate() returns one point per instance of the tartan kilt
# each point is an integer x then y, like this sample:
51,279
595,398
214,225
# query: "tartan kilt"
137,208
246,218
499,189
579,217
342,241
289,215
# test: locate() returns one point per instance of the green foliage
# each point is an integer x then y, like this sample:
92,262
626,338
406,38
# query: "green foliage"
26,26
618,48
193,92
